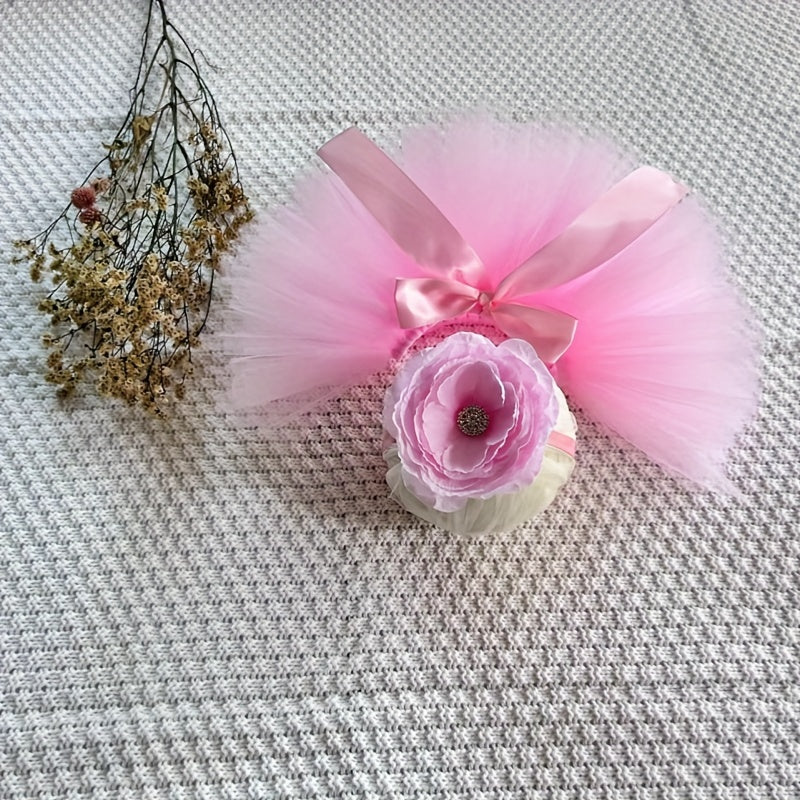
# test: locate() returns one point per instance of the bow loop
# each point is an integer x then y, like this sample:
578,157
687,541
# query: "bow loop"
424,301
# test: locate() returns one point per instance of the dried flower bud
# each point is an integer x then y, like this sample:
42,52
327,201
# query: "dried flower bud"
141,127
83,197
89,216
101,185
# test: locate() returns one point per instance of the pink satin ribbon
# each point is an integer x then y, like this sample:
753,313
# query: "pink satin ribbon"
459,283
562,442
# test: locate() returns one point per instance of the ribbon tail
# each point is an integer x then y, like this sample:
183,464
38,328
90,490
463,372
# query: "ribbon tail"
402,209
550,332
607,227
423,301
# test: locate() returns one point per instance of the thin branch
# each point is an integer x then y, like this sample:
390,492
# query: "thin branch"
134,284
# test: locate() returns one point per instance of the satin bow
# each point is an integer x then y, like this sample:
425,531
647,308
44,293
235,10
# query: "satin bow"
459,282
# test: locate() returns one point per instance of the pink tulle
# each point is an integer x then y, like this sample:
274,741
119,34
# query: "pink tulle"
663,354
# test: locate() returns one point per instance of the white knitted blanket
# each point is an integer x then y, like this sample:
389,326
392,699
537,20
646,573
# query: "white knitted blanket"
189,610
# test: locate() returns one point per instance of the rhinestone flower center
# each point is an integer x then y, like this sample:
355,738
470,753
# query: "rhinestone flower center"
472,421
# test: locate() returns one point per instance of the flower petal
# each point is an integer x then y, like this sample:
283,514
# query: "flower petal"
472,383
464,454
439,427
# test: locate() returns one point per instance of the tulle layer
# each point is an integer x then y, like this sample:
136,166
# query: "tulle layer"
664,352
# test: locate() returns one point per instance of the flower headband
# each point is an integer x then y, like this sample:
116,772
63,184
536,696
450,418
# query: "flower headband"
588,276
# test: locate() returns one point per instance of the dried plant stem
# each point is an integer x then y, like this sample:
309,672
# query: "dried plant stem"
132,257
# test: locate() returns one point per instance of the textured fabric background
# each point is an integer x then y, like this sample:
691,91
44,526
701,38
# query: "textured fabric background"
189,610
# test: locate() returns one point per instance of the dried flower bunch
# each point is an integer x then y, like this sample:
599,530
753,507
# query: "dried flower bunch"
133,255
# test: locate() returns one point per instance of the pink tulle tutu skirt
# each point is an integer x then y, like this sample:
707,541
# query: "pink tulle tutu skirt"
664,350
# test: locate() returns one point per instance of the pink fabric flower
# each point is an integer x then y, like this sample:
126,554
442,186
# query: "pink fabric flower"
470,419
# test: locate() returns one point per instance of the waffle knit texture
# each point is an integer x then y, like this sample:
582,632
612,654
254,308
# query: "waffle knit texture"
192,610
